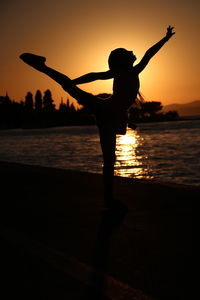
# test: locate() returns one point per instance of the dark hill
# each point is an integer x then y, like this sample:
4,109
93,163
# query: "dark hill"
186,109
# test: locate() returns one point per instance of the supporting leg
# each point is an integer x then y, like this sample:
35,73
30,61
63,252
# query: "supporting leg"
108,144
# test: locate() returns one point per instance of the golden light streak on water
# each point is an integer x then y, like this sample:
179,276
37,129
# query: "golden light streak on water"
129,163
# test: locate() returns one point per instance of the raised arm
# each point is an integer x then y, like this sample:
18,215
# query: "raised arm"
93,76
153,50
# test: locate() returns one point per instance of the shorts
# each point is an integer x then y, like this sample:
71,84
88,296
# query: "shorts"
108,116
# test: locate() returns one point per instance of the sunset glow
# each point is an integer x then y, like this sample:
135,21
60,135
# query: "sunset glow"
78,38
129,163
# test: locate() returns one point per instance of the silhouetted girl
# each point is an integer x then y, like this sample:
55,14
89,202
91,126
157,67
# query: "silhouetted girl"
112,113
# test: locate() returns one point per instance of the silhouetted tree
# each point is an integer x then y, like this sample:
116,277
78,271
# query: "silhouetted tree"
48,104
150,108
11,113
29,102
38,101
62,107
5,100
14,114
72,108
68,105
171,115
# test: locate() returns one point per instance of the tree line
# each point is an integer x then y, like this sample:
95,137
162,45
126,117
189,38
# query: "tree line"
39,110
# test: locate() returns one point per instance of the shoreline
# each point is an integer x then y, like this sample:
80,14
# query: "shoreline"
149,248
180,119
11,164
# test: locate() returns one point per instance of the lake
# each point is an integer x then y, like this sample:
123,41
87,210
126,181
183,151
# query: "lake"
165,151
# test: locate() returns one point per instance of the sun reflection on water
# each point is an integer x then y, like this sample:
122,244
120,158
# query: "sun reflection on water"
129,162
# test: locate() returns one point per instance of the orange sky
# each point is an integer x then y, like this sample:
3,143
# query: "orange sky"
77,36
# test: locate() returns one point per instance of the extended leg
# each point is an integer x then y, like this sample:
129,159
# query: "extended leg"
38,63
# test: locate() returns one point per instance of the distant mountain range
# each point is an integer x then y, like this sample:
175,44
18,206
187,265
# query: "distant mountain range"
186,109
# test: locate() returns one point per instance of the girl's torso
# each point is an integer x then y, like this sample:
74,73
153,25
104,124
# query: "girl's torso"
125,89
112,113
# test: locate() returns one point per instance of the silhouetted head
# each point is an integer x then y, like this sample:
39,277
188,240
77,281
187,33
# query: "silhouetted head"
121,59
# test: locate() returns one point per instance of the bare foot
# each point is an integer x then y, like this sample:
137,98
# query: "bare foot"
35,61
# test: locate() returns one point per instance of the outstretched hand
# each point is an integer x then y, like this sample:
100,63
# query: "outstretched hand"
170,32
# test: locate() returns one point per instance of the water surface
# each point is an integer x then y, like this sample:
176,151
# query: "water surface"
168,151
